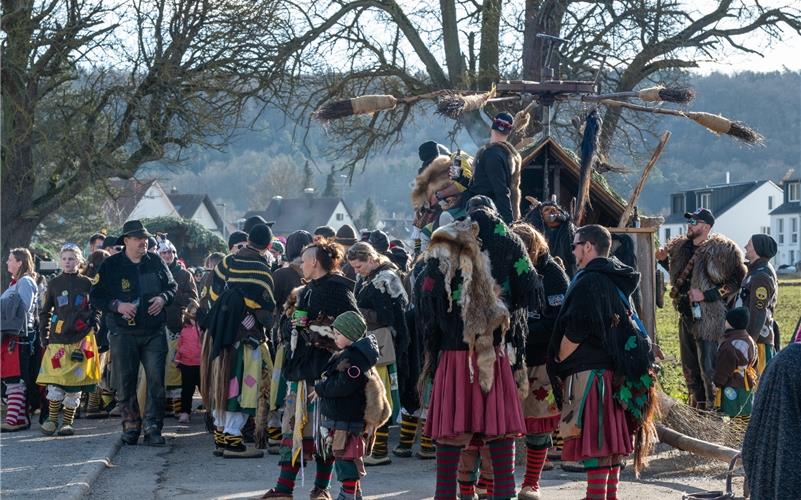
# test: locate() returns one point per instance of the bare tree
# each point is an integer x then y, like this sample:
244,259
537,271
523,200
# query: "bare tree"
409,48
85,99
282,177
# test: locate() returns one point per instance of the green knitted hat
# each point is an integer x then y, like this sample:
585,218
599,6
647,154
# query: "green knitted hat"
351,325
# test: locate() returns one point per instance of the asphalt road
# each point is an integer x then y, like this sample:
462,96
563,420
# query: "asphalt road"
91,465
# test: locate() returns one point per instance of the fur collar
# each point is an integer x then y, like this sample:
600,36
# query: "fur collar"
433,178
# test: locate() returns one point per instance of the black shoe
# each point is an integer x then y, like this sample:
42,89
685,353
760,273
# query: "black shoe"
130,437
154,438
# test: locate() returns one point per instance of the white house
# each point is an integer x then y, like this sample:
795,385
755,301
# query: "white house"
784,223
199,208
135,199
741,209
306,212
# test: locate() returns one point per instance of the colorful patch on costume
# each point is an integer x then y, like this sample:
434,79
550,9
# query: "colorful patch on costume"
62,300
522,266
125,285
556,300
249,380
761,293
730,393
457,294
500,229
96,279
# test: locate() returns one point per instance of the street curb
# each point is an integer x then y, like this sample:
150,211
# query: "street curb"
81,485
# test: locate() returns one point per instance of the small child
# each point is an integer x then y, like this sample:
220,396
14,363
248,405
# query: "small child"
187,357
735,366
352,401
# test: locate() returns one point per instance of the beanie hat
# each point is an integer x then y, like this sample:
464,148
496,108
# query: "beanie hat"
260,236
503,122
764,245
738,318
346,235
379,240
326,232
479,201
295,243
430,150
152,242
236,237
351,325
277,246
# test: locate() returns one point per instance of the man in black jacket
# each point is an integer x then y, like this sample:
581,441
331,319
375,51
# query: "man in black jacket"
133,287
496,171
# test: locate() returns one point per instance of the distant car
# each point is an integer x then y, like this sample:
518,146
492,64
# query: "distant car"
787,269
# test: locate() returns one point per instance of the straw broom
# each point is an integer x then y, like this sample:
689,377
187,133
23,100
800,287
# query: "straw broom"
678,95
716,124
455,105
366,105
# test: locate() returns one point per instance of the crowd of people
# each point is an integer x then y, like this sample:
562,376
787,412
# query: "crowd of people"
489,328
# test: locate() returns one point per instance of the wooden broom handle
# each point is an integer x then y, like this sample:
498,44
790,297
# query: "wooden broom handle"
624,219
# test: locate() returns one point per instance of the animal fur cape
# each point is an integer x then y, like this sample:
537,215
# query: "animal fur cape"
434,177
721,263
456,249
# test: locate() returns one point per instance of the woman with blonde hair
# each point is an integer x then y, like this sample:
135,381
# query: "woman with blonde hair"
71,362
382,300
18,303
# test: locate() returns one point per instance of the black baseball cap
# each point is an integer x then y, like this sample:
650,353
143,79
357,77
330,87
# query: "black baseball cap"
702,214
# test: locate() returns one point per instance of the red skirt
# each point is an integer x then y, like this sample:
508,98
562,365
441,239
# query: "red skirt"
9,357
458,406
604,435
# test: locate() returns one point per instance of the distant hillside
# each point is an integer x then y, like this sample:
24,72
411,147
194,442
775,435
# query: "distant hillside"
770,102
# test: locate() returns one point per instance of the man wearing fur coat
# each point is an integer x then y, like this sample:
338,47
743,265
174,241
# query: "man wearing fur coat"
705,274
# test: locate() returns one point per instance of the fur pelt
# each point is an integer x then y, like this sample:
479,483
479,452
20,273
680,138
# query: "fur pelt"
721,263
262,416
377,408
482,310
433,178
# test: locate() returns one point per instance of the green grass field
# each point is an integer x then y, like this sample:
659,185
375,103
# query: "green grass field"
787,312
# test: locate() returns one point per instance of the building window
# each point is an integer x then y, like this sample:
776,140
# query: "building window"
770,204
677,206
794,191
704,200
781,230
792,257
340,217
794,230
764,229
667,234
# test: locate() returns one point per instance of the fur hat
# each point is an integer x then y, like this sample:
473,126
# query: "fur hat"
351,325
166,245
764,245
738,318
260,236
379,240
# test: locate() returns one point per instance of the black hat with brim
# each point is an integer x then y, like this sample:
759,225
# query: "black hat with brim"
135,229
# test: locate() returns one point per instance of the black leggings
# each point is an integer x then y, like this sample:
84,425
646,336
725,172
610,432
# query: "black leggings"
190,378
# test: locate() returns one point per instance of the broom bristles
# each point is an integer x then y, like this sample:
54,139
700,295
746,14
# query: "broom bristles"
743,132
680,95
334,110
455,105
722,125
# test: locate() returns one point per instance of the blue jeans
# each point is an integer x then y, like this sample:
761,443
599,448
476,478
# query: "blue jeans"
128,351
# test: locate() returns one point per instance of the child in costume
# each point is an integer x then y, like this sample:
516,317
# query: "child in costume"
353,402
70,364
735,366
187,358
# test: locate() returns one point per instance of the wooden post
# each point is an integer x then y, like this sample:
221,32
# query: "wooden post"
695,446
624,219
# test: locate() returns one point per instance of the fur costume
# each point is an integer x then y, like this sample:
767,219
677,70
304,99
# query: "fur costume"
457,252
558,233
719,264
377,410
434,177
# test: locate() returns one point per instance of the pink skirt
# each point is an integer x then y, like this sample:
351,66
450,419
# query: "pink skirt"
602,437
458,406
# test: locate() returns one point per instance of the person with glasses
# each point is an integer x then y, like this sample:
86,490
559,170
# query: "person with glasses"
237,241
706,271
582,362
68,323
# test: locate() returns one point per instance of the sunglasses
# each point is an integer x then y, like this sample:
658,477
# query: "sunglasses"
694,222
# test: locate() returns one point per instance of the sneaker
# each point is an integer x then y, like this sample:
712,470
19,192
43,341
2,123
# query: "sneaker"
183,418
130,437
66,430
48,428
154,438
529,493
402,451
320,494
572,467
20,425
277,495
372,460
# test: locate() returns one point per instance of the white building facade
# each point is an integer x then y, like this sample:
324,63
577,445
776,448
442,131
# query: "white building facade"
785,224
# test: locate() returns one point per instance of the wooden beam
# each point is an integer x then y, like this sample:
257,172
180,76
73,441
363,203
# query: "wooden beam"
695,446
624,219
550,87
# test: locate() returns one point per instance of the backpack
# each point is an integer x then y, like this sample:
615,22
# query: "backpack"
13,315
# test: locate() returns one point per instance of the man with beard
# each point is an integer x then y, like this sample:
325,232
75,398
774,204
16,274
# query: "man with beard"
133,287
705,273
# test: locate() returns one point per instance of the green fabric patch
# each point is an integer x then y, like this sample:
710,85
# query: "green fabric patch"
500,229
457,294
522,266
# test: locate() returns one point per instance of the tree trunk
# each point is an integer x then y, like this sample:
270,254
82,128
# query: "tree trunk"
450,40
541,16
488,52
